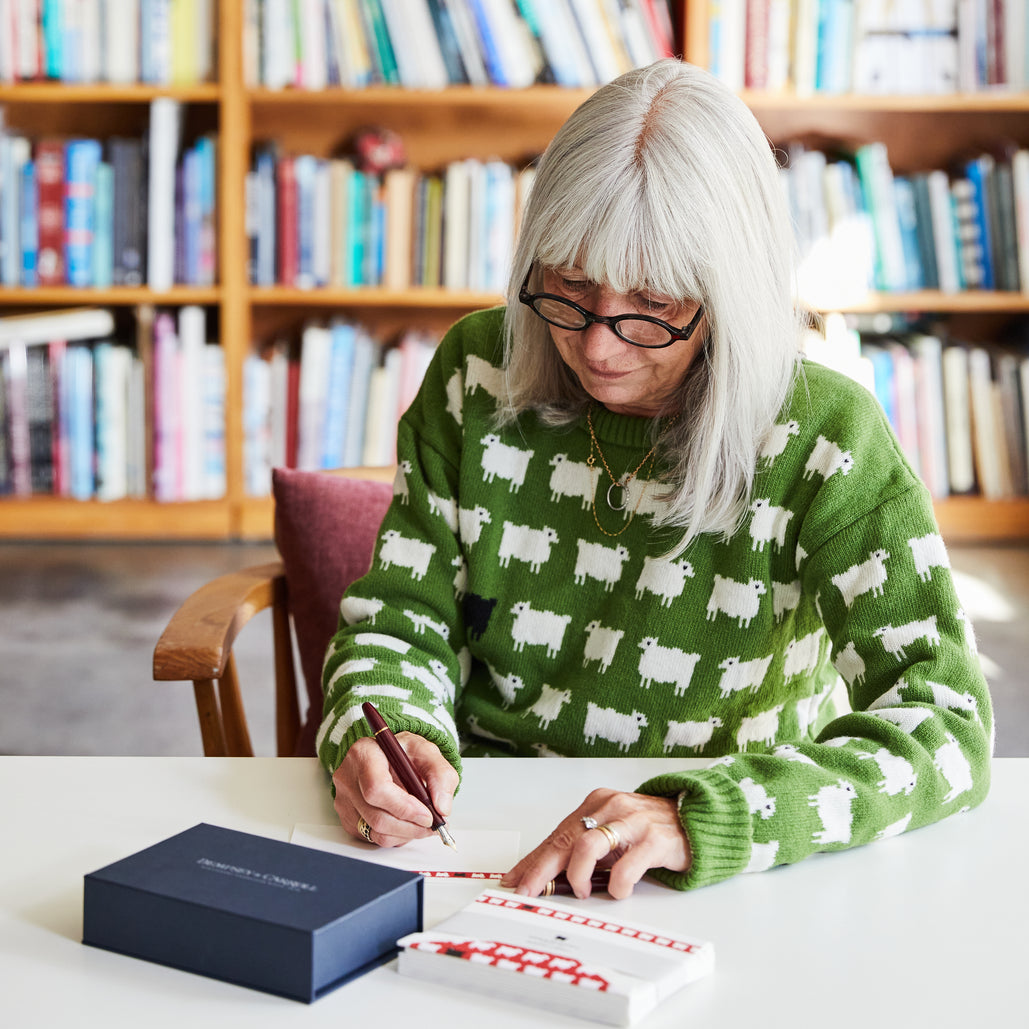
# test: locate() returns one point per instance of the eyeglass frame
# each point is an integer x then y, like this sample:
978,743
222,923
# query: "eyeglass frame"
683,334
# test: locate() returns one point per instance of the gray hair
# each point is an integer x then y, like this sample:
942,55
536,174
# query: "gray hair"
663,179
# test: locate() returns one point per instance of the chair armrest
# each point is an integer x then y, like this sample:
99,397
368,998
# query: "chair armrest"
197,642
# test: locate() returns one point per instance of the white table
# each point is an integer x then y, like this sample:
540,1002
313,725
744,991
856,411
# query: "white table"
929,929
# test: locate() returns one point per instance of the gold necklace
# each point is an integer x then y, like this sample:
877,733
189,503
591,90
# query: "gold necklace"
622,484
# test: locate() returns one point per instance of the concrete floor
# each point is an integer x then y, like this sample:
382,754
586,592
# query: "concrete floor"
78,623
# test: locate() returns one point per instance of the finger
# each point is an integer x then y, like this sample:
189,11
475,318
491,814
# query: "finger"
593,849
438,774
537,868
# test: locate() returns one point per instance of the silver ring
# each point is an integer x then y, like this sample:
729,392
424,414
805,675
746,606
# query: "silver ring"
613,839
590,822
364,829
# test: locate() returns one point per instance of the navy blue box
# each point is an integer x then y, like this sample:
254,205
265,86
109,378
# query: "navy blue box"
274,916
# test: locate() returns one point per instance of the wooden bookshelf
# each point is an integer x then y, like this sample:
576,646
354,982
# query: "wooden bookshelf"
437,127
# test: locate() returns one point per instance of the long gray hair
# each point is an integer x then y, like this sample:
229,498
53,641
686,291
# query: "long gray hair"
664,180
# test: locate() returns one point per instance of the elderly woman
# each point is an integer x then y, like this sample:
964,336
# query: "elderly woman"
630,519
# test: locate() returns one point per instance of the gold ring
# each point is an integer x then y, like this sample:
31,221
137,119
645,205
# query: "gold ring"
364,829
611,835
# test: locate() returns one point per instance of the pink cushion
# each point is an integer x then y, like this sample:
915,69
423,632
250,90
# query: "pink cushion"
325,530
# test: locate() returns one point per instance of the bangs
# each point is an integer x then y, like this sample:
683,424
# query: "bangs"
617,234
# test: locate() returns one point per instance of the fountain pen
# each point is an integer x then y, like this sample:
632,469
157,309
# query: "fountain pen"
404,770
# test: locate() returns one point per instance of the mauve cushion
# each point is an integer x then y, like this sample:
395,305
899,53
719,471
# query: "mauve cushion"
325,530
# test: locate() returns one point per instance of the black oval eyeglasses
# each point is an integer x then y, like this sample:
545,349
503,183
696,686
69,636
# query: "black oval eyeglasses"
640,330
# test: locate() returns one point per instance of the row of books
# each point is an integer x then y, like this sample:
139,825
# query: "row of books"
960,409
331,399
870,46
124,212
85,415
431,44
862,227
161,42
324,222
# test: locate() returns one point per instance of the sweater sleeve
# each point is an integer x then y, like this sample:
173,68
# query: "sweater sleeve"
915,746
400,641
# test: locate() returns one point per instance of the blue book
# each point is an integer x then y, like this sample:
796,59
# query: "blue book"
488,44
103,236
81,160
79,399
306,167
883,379
29,233
337,394
191,216
907,216
208,212
264,240
53,38
365,356
357,227
979,173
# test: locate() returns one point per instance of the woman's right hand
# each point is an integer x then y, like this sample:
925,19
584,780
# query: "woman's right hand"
366,788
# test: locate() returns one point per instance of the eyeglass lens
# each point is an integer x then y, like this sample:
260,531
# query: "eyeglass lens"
634,330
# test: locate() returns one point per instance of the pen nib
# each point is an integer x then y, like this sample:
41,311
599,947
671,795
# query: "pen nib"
445,836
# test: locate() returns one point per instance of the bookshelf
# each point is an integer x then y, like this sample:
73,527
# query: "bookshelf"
437,126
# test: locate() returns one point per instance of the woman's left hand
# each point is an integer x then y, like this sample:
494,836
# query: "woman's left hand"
650,835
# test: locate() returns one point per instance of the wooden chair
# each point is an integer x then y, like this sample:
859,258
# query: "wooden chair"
325,527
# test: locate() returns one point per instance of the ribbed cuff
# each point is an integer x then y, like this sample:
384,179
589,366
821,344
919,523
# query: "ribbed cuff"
715,815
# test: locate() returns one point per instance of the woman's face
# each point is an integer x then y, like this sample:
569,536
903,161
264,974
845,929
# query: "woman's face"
624,378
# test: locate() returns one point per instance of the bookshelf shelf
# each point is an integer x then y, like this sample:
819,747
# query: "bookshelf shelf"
436,127
115,296
106,93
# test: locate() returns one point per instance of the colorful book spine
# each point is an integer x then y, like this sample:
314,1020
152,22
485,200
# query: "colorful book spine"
82,157
29,224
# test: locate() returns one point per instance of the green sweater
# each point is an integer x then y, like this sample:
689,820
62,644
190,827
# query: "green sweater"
497,619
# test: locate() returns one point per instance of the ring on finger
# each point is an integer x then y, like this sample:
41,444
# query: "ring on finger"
364,829
590,822
611,835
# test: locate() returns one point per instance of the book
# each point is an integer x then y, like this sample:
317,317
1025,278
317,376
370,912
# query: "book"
877,184
337,394
557,957
129,217
39,407
164,140
68,324
365,357
77,398
82,159
15,367
28,226
112,372
931,426
989,442
49,160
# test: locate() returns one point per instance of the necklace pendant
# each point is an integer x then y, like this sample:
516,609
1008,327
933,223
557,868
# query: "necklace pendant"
620,506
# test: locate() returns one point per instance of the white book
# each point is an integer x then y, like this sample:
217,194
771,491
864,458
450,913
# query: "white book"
257,466
315,351
25,27
71,324
278,407
365,355
136,456
278,65
204,34
728,43
589,17
8,66
957,409
322,262
805,46
165,136
121,41
314,64
192,340
573,961
943,232
380,443
931,424
418,42
112,372
988,444
213,476
456,188
514,47
1020,181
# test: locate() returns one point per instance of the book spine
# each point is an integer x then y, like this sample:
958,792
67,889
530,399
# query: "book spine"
29,224
40,408
287,228
103,233
165,130
82,157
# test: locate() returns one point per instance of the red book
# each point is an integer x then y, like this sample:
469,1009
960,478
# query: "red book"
292,410
756,66
289,248
50,184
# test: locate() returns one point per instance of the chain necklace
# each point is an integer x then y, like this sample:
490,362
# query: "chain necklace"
622,484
